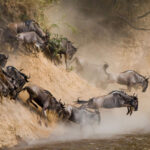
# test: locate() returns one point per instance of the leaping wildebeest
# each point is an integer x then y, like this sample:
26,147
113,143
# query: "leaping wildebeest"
6,87
115,99
130,78
17,78
91,72
65,47
11,79
44,99
81,115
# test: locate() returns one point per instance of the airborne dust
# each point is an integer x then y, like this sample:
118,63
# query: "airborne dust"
101,37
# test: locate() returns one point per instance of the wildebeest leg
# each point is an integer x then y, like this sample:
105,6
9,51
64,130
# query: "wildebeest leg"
99,117
1,96
74,59
128,110
61,56
79,65
131,110
66,61
29,100
17,98
44,114
129,87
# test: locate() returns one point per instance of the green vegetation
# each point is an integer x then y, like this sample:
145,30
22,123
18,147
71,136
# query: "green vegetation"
55,44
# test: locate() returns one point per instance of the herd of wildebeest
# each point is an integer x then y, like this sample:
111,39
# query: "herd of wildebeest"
12,81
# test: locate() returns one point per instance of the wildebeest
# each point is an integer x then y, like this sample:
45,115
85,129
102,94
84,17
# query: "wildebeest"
65,47
4,78
31,38
114,99
3,60
27,26
6,86
68,50
130,78
44,99
17,78
91,72
81,116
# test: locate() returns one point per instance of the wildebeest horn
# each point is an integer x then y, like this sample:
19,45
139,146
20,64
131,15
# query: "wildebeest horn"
78,98
21,70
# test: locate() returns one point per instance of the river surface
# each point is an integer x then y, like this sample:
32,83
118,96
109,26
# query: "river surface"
128,142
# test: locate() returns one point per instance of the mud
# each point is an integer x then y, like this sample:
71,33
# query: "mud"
134,142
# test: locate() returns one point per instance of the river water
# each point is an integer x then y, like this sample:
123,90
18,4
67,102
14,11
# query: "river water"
128,142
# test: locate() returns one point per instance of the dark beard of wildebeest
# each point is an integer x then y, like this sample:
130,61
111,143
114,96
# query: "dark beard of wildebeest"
27,26
80,115
130,78
114,99
67,49
44,99
17,79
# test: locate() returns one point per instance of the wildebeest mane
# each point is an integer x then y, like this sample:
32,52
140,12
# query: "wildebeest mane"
134,72
46,91
119,92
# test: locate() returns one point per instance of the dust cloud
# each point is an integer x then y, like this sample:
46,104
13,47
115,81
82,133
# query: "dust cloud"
100,37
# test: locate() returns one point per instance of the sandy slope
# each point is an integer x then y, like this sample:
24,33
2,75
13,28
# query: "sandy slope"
17,121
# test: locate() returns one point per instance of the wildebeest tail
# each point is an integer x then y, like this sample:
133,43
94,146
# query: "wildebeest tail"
81,101
105,66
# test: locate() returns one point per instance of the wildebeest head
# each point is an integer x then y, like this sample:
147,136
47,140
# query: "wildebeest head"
129,101
38,30
145,84
71,49
132,104
91,103
60,109
26,78
16,74
3,60
19,37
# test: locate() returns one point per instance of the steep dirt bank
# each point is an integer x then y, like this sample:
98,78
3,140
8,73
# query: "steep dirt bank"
19,122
